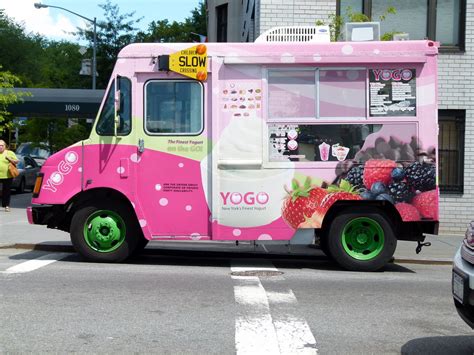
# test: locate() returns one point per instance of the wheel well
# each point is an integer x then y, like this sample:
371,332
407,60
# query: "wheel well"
383,207
86,197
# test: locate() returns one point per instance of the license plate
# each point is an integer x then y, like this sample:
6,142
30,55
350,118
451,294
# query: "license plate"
458,287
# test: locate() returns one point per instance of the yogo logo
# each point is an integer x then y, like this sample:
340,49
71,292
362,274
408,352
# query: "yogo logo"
249,198
396,74
63,169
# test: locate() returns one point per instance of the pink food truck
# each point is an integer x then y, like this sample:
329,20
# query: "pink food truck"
270,142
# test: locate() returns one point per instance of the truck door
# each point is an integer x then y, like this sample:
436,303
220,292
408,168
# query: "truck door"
172,143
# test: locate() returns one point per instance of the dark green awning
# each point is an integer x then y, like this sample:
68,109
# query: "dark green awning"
70,103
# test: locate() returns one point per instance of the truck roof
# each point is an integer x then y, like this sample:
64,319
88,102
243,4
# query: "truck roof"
297,52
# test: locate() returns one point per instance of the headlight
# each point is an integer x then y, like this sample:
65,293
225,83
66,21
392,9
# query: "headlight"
469,236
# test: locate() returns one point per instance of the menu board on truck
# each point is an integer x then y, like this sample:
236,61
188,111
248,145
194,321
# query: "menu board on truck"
392,92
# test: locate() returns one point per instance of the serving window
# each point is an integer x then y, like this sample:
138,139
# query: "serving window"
295,94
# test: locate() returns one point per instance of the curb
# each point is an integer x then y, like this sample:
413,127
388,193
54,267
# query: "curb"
67,248
424,261
40,247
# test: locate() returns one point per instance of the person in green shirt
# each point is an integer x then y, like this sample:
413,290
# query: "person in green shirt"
6,157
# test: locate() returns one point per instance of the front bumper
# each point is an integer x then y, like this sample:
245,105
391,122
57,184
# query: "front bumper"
49,215
465,305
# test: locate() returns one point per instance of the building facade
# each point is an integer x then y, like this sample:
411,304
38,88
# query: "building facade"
448,21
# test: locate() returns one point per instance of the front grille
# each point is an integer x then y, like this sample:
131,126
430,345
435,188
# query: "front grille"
467,253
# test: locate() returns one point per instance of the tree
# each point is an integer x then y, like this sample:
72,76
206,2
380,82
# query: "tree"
8,96
53,133
38,62
117,31
187,31
336,22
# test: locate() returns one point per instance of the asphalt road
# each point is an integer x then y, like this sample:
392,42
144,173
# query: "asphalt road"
183,302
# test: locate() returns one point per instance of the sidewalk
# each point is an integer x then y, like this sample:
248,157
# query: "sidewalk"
17,233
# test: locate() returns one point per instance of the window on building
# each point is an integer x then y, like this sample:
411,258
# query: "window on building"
221,16
173,107
451,150
440,20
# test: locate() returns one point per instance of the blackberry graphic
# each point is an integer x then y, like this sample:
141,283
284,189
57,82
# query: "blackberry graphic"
355,175
400,192
421,176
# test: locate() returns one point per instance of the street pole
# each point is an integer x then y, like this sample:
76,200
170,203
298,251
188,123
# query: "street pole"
39,5
94,58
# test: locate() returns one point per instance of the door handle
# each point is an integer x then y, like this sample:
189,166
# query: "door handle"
141,145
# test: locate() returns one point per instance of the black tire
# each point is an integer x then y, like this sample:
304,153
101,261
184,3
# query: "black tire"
323,243
21,187
141,244
129,228
324,246
361,255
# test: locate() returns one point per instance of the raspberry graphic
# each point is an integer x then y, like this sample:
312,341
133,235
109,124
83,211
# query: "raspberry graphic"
378,170
427,204
408,212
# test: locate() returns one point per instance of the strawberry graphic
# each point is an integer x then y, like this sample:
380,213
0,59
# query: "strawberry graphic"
408,212
345,191
427,204
301,203
378,170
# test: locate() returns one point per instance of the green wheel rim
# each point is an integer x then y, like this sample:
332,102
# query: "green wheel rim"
363,238
104,231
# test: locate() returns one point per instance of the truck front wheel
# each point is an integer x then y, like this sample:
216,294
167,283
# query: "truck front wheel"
363,241
104,232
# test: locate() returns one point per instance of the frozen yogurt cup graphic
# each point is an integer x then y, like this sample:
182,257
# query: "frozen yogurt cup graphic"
292,145
252,194
341,153
324,151
292,134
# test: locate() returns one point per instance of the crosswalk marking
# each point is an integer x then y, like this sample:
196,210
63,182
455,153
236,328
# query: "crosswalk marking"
266,323
35,264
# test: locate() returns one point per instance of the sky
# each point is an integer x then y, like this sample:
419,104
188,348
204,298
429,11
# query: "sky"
55,23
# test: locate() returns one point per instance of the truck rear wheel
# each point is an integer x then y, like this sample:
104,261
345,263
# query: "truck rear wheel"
363,241
104,232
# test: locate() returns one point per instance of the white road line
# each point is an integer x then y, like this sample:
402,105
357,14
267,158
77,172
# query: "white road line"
35,264
262,325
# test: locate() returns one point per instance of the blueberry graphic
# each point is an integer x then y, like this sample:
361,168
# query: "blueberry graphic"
378,188
367,195
398,174
385,197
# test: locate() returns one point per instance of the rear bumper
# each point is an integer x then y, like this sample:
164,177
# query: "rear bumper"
415,231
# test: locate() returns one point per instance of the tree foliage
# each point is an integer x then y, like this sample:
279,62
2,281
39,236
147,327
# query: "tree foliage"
336,22
8,96
53,133
112,34
187,31
38,62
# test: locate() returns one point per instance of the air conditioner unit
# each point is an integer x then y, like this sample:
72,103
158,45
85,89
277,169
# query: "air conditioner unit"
362,31
319,34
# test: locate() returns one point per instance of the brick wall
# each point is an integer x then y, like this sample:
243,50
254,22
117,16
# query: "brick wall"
455,92
293,12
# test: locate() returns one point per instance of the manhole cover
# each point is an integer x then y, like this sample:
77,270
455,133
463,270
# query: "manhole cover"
256,273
